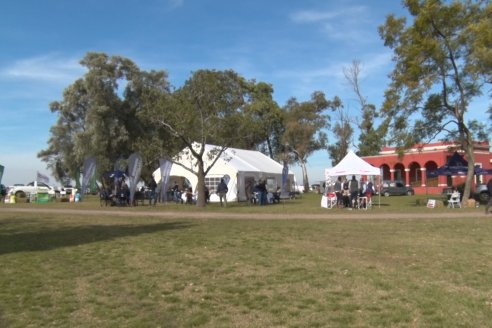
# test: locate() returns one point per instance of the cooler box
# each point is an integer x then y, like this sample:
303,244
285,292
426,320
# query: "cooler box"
43,197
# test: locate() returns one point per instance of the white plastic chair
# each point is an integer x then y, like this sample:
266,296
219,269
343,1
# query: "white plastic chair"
454,200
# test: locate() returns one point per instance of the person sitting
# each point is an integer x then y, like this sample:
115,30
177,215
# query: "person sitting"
276,196
346,197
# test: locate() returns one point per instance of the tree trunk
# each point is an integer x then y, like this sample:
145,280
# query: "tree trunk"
200,187
468,148
305,179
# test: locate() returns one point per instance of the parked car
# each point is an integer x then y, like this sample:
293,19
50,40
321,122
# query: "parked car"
23,190
396,188
481,194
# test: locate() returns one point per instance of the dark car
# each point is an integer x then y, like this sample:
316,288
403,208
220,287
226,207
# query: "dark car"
396,188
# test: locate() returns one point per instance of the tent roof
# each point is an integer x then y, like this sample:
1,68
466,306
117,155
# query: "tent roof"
457,165
457,160
248,160
352,164
241,160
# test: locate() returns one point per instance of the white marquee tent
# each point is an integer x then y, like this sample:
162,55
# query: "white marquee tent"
238,167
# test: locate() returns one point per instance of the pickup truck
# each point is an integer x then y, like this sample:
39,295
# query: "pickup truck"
481,194
24,190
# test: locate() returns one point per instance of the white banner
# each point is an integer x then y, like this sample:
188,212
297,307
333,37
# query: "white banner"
88,172
42,178
165,166
134,169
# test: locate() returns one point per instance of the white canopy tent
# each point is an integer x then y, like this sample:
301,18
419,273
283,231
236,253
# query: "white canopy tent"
352,164
240,168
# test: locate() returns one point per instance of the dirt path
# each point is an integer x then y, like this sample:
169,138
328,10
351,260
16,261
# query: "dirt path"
458,213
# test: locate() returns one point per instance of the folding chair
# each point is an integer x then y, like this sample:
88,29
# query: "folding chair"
454,200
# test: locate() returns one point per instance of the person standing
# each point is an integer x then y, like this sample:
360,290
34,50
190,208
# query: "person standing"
489,203
153,195
262,190
222,191
338,190
354,191
176,193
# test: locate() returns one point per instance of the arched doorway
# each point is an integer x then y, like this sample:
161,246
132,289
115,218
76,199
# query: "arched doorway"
415,175
386,174
400,173
430,167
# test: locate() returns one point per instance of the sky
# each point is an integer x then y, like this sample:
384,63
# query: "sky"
297,46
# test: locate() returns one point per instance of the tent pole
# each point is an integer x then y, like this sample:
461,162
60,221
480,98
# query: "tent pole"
379,192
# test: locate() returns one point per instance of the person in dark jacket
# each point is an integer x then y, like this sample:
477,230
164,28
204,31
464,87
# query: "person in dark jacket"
489,203
354,191
222,192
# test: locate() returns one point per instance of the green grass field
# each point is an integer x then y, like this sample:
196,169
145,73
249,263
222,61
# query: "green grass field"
111,271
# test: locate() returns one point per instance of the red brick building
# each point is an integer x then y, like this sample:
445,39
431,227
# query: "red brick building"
412,168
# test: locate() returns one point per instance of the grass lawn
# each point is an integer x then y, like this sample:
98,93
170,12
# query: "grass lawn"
111,271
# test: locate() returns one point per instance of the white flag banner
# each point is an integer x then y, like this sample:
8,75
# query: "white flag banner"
165,166
88,172
134,169
42,178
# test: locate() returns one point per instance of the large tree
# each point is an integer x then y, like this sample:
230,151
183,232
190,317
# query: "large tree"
371,137
443,61
268,119
343,132
208,109
97,116
304,124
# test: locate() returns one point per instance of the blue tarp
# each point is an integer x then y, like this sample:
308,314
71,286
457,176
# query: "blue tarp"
457,165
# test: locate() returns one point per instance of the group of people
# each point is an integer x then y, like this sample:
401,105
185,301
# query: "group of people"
349,192
258,194
190,196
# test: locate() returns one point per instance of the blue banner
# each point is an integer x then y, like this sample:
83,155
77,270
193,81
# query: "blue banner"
285,177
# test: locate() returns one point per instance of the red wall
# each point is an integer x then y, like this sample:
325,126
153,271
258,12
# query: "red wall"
413,165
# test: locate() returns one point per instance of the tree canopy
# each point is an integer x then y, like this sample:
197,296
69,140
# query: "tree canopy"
443,61
210,108
304,128
97,115
116,109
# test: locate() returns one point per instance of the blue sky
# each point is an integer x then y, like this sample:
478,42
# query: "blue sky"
297,46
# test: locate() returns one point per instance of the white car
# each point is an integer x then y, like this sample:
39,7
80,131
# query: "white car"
23,191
